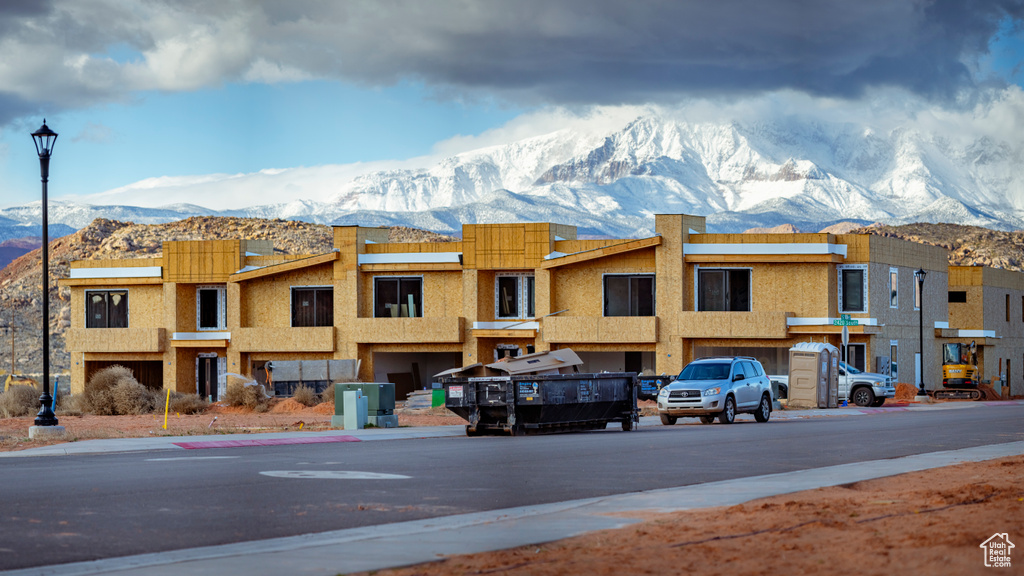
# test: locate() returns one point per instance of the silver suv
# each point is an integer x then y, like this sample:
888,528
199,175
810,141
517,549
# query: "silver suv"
719,387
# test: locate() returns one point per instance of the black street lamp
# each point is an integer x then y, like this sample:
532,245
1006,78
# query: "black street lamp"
919,276
44,139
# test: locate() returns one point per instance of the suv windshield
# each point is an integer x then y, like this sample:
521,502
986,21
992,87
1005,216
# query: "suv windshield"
705,371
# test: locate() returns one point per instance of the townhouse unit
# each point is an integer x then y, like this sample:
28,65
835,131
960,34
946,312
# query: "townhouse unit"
986,306
410,310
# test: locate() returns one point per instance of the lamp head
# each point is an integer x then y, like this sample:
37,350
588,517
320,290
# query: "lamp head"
44,139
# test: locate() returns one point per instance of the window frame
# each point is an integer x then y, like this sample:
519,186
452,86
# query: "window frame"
894,288
222,308
106,315
840,269
418,278
698,270
629,299
315,289
526,306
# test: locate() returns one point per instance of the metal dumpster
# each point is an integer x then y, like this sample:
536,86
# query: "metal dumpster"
544,403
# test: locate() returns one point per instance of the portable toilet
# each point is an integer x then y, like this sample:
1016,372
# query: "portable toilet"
813,375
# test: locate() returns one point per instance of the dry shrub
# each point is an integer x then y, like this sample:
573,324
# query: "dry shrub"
188,403
251,397
98,395
328,394
305,395
20,401
132,398
70,405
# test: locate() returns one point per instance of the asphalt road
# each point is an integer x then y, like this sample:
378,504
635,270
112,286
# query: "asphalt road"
64,509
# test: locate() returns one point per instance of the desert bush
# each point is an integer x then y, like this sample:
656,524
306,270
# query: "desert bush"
114,391
98,397
130,397
70,405
20,401
328,394
305,395
188,403
252,397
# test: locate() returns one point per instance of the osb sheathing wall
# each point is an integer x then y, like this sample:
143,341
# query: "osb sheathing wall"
802,289
618,329
802,238
442,292
580,287
201,261
312,339
266,301
115,339
145,304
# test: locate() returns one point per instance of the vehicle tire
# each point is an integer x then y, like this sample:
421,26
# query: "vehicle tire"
878,402
470,431
764,409
728,415
863,396
667,420
783,392
627,424
707,419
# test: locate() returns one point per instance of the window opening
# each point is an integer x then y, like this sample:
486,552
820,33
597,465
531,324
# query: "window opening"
210,308
312,307
106,309
397,297
894,288
514,296
626,295
726,290
853,288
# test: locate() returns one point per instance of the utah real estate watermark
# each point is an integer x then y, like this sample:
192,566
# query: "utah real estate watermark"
997,550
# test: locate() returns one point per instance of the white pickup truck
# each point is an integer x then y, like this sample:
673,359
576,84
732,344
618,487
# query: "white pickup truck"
866,389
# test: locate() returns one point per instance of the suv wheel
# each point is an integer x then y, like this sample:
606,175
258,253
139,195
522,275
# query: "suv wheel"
728,415
764,410
707,419
863,396
667,420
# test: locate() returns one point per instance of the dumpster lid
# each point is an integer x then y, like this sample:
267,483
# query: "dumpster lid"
814,347
561,361
556,361
478,367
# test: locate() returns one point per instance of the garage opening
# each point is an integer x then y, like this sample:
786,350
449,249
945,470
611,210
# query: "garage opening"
411,371
149,373
638,362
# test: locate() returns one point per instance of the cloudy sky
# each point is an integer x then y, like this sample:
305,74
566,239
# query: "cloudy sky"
151,90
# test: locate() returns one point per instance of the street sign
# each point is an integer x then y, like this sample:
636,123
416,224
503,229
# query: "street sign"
845,320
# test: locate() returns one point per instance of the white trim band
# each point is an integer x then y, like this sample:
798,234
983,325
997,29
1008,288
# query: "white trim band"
798,321
127,272
412,258
754,249
522,325
201,336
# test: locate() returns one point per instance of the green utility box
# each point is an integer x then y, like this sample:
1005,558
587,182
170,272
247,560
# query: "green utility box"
380,399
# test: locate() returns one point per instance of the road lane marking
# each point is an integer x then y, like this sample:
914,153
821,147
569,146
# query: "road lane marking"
190,458
333,475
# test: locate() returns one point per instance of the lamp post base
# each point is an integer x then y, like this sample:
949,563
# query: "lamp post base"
45,432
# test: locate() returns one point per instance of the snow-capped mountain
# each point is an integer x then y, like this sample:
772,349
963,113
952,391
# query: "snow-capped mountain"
740,175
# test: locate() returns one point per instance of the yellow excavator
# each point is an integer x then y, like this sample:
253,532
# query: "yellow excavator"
960,376
16,380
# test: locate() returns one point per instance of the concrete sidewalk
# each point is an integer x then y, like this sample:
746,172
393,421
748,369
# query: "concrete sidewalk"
403,433
406,543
